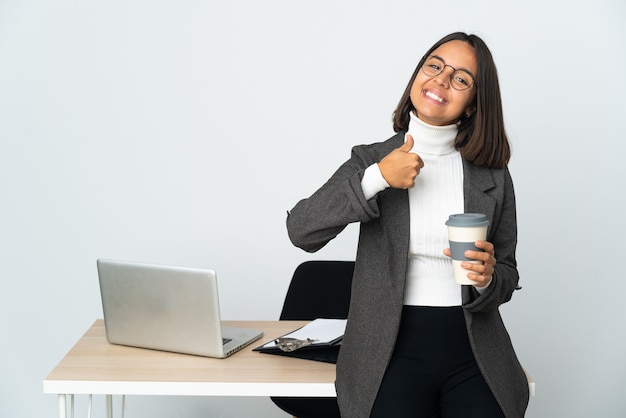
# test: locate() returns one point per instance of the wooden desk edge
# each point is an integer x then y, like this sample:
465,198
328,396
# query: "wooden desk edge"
58,382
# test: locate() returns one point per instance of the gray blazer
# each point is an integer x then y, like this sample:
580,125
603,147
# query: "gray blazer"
380,271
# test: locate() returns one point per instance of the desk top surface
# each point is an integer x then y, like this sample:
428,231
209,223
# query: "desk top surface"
95,366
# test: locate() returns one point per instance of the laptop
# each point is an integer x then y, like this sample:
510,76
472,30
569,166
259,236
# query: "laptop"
166,308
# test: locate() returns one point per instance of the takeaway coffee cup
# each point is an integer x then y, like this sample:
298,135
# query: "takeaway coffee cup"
464,229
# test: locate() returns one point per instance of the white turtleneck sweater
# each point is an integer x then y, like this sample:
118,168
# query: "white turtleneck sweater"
438,193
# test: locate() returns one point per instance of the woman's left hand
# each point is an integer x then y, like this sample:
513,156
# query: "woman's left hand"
480,273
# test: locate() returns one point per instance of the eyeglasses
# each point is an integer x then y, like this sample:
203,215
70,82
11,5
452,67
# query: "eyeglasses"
459,79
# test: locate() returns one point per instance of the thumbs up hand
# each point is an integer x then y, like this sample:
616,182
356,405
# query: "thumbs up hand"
401,166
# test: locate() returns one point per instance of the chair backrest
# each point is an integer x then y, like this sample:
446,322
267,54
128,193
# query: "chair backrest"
319,289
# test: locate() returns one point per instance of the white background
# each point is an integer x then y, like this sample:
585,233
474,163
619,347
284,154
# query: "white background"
181,132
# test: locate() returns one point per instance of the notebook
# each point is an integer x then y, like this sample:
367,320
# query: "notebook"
166,308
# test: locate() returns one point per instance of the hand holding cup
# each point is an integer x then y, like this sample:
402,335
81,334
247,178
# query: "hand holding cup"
472,256
480,273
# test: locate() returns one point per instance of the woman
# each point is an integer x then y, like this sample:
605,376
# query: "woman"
416,343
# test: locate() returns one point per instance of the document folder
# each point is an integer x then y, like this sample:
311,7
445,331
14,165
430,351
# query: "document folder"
319,340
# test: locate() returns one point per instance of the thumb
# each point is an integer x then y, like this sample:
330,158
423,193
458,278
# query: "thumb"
408,145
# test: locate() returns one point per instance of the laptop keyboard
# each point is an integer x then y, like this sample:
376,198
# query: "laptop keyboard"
226,340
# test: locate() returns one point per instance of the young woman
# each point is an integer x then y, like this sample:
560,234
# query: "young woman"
417,344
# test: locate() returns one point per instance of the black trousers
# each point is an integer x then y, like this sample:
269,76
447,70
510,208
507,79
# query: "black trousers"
433,372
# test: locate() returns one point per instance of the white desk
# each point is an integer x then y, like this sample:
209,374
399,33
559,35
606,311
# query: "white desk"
93,366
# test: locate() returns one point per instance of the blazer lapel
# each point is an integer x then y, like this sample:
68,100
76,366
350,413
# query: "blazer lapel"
477,181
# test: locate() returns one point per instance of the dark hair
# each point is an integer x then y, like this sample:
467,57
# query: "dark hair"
481,137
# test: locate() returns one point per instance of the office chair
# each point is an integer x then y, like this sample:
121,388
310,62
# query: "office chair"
318,289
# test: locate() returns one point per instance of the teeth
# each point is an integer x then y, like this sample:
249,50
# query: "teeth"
434,97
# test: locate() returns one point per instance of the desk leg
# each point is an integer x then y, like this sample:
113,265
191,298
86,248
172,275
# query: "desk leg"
63,406
109,401
62,409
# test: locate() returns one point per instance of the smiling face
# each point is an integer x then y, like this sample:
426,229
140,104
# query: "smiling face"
435,101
